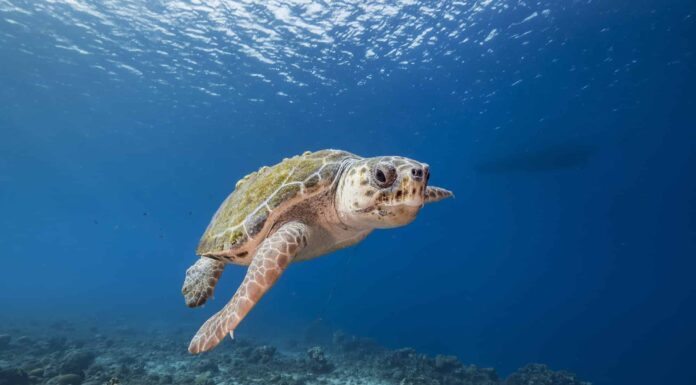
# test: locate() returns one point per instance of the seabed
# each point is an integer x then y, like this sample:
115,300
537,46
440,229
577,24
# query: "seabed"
66,353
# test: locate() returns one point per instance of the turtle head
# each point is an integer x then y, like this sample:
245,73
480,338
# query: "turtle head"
382,192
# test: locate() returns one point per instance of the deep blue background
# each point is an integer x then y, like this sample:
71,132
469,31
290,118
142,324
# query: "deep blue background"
571,241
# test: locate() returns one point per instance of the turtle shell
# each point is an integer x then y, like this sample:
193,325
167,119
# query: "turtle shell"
245,214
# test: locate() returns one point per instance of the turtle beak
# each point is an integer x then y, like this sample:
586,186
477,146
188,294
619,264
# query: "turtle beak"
434,194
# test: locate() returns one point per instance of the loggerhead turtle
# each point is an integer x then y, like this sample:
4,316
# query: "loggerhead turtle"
301,208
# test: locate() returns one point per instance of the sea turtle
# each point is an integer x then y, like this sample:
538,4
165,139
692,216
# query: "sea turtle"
303,207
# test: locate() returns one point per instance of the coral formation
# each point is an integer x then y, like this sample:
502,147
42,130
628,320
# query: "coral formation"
539,374
317,362
13,377
68,354
76,361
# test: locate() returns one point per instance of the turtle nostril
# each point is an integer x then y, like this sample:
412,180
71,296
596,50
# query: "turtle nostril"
417,173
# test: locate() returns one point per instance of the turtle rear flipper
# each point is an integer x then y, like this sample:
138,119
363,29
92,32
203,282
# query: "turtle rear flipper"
200,281
269,262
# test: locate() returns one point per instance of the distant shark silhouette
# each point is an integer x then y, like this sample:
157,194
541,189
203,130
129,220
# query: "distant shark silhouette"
546,159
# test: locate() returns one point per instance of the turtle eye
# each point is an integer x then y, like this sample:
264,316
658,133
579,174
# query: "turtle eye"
384,175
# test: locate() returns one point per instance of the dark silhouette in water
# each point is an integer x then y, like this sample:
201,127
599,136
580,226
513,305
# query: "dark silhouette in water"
550,158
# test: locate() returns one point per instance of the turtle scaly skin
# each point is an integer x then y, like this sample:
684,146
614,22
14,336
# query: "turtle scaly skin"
301,208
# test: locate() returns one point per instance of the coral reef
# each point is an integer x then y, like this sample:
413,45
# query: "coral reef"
63,353
13,377
317,362
539,374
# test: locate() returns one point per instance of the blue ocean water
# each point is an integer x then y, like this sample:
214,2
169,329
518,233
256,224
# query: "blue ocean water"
565,128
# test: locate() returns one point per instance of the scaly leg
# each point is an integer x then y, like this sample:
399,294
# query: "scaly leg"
272,257
200,281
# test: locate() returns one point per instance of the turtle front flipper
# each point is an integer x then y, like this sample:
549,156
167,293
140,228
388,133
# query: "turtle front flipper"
272,257
200,281
434,194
